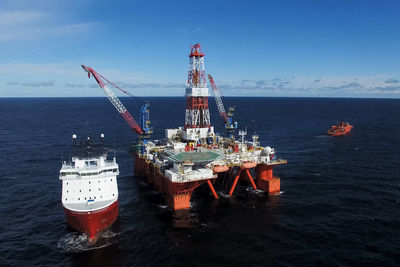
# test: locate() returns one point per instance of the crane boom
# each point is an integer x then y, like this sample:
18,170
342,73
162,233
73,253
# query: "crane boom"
217,97
114,99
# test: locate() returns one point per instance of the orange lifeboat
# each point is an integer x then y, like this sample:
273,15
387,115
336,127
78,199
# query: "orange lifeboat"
341,128
219,168
249,165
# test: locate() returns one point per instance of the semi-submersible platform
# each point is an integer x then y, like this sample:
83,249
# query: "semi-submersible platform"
192,155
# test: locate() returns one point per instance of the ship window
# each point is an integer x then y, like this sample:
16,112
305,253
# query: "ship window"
90,190
113,195
83,174
99,189
89,182
101,196
85,198
93,163
67,191
65,198
111,180
80,191
94,197
63,174
90,197
67,183
114,170
79,198
99,181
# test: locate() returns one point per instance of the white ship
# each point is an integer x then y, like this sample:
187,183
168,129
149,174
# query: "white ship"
89,187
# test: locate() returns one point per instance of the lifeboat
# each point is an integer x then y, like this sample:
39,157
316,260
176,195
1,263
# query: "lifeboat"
219,168
249,165
341,128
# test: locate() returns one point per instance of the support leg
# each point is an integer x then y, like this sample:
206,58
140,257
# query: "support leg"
235,182
212,189
251,179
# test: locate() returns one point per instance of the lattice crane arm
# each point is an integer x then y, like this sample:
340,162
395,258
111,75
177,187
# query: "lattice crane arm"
218,99
114,99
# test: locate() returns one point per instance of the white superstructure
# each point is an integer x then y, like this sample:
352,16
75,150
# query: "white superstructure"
89,181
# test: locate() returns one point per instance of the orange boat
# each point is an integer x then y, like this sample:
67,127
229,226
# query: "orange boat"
341,128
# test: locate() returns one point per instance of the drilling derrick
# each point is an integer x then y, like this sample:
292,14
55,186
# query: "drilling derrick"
197,119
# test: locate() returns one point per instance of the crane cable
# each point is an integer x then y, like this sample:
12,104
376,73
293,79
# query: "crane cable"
122,90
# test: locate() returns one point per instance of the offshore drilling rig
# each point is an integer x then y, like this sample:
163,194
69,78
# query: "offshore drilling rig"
194,154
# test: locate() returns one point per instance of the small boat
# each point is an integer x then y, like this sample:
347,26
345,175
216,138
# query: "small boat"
220,168
341,128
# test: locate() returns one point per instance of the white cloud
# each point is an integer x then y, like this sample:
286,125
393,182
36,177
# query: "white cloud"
311,86
10,18
68,79
44,69
17,25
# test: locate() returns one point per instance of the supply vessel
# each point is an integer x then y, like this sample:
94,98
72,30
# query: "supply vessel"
89,187
194,154
341,128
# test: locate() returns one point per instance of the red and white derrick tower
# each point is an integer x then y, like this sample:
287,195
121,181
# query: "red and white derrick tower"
197,120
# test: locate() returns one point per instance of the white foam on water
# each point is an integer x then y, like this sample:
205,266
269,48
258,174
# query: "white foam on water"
223,195
255,191
75,242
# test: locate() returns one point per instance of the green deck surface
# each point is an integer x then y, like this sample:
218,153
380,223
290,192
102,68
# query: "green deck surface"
195,156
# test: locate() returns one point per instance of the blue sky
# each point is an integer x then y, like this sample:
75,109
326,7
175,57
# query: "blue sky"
253,48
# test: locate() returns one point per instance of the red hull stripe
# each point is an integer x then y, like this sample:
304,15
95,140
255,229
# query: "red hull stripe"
92,222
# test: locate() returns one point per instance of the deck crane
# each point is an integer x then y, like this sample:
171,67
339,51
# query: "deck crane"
230,125
143,130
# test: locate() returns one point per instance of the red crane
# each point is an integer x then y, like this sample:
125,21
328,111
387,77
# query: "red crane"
114,99
217,97
230,124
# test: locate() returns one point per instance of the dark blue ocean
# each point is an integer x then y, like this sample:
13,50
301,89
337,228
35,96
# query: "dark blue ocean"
339,205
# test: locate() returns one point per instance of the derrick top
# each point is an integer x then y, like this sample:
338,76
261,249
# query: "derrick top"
195,51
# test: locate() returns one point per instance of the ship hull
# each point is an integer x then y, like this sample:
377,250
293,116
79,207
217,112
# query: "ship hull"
92,222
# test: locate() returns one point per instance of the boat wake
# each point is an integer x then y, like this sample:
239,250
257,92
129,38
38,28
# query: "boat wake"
75,242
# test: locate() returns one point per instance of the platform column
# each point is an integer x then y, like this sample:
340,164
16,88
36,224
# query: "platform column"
138,166
266,180
179,201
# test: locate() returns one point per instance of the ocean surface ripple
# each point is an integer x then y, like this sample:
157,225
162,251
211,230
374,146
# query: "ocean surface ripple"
339,205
